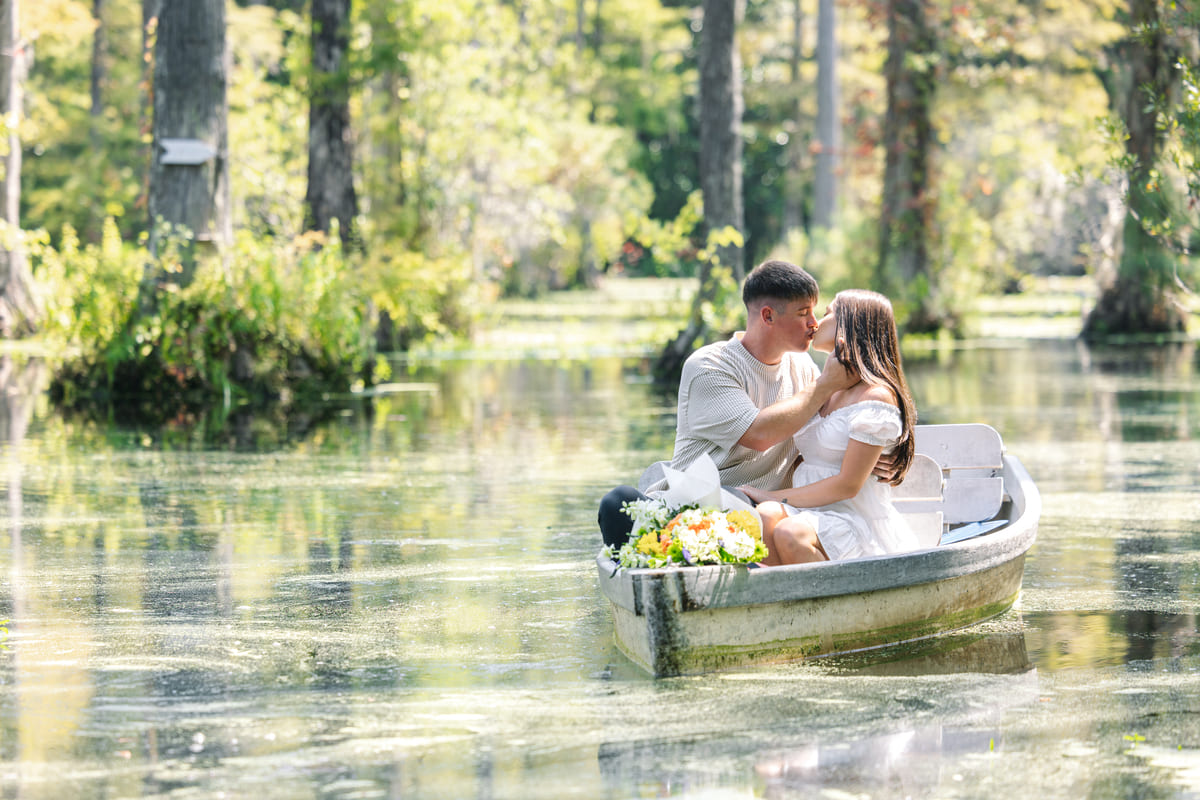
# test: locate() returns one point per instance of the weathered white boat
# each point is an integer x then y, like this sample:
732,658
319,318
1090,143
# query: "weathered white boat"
976,509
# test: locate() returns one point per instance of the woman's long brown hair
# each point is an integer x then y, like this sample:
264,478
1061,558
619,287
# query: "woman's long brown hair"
866,323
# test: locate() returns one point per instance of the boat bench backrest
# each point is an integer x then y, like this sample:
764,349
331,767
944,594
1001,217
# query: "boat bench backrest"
954,478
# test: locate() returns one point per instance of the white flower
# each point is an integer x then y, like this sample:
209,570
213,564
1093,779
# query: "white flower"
699,534
647,515
739,544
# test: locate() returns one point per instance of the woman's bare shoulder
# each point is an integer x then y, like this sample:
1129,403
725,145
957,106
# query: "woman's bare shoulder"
880,394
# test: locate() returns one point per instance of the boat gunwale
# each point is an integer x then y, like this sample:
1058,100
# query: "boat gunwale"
730,585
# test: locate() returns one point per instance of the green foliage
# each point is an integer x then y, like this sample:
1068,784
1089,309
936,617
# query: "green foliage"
296,307
640,73
274,320
966,261
88,291
718,303
664,249
1169,197
721,309
1160,226
509,148
424,299
1028,160
268,121
842,257
79,169
489,142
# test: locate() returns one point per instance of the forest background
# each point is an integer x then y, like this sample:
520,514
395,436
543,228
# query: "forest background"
258,201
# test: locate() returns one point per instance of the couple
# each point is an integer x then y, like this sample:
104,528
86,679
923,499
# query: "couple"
757,404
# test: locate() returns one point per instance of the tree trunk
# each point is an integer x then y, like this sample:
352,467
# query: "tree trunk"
331,193
721,125
588,273
1139,297
793,197
150,10
99,78
597,28
99,59
384,189
907,205
720,165
187,189
580,32
18,307
829,122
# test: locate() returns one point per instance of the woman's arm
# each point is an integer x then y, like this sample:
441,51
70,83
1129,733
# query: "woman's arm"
781,420
857,464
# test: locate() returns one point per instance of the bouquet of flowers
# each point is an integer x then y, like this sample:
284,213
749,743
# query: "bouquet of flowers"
666,536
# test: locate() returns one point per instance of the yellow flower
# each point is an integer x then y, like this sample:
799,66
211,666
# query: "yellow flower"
650,545
747,522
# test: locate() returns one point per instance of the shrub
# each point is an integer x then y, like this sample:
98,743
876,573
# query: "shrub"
271,321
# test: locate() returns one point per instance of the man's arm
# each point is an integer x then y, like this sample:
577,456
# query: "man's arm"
885,467
781,420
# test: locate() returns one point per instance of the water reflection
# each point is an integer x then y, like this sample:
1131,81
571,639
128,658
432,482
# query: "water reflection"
401,601
912,749
1080,638
995,647
907,763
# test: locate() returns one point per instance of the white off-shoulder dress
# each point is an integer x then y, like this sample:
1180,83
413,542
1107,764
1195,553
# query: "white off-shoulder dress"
866,524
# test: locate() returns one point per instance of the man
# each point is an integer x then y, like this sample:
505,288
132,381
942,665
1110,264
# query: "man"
743,399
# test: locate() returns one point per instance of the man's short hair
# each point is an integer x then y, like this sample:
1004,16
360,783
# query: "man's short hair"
778,280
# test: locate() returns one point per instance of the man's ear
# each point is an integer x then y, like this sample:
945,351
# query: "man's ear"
767,314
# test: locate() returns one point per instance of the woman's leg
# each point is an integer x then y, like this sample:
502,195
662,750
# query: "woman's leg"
796,542
772,513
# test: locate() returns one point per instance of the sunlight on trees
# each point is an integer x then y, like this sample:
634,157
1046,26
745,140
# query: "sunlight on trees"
506,150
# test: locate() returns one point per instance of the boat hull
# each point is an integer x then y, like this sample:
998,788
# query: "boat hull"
692,620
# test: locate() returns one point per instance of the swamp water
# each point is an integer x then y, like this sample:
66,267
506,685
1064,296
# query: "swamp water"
402,603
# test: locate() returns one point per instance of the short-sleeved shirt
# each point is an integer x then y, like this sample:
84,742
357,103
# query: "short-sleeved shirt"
721,391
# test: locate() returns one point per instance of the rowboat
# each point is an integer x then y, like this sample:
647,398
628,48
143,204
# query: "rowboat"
976,510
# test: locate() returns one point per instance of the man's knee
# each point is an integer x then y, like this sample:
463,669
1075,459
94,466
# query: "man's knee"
615,524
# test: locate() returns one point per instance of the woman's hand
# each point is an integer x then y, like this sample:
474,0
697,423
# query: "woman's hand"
756,494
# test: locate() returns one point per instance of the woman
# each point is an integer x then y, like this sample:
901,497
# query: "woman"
844,513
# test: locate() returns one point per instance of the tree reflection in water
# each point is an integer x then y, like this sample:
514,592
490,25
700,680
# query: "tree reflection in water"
400,600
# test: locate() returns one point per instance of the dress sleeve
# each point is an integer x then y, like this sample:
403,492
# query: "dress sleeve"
876,424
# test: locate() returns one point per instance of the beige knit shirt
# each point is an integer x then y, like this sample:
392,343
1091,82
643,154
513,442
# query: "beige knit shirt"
721,391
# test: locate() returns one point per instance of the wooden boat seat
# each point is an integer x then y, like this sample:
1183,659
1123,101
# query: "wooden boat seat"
954,479
919,498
